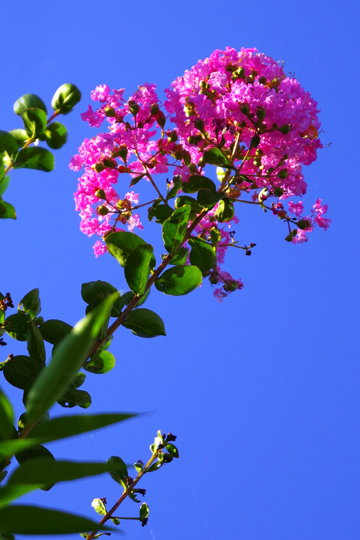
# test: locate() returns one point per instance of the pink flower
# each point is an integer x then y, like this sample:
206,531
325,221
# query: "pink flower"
99,248
76,162
134,221
296,208
100,93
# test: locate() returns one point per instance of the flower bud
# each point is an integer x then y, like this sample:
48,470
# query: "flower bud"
173,136
193,168
110,112
122,152
282,214
278,191
193,139
245,109
134,107
303,224
262,80
199,124
109,163
260,113
255,141
289,238
99,167
154,109
187,158
100,193
161,120
201,162
285,129
103,210
283,173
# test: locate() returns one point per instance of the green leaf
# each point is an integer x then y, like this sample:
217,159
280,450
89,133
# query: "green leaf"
20,136
31,303
202,254
99,507
65,98
61,428
189,201
55,135
160,212
137,268
35,343
34,122
179,280
67,359
176,187
225,211
95,291
214,156
7,211
33,453
28,101
144,323
171,448
180,257
119,472
198,182
6,417
20,370
72,398
35,157
78,380
4,185
19,519
100,362
128,296
121,243
54,330
17,325
208,199
8,146
144,511
175,228
10,493
136,179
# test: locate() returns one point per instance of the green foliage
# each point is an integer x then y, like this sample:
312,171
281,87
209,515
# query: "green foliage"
202,254
144,323
179,280
225,210
35,343
35,157
7,211
121,244
31,303
65,98
6,417
198,182
161,212
8,146
17,325
34,122
21,370
28,101
54,330
119,472
214,156
207,199
55,135
175,228
100,362
137,268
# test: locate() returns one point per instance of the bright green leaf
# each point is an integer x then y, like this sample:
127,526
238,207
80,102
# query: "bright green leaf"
224,211
34,122
214,156
144,323
31,303
179,280
189,201
55,135
35,343
144,511
95,291
72,398
4,185
67,359
100,362
99,507
65,98
8,146
137,268
27,101
121,243
6,417
17,325
119,472
35,157
198,182
20,136
7,211
176,187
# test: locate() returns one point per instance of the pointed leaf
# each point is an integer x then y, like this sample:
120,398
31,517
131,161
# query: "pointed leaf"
202,254
119,472
176,187
35,343
67,359
6,417
175,228
35,157
224,211
179,280
137,268
100,362
37,520
31,303
4,184
144,323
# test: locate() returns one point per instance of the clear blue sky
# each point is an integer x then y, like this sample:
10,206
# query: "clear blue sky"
262,390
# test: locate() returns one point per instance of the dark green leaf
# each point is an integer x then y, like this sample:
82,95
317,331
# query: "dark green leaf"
189,201
20,370
55,135
144,511
116,309
121,243
33,453
37,520
128,296
198,182
7,211
28,100
160,212
176,187
180,257
6,417
72,398
171,448
54,330
225,211
34,122
61,428
144,323
17,325
65,98
100,362
31,303
119,472
136,179
208,199
179,280
8,146
91,290
137,268
214,156
67,359
35,343
202,254
20,136
175,228
35,157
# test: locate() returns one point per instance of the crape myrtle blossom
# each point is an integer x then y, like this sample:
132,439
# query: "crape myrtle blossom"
236,109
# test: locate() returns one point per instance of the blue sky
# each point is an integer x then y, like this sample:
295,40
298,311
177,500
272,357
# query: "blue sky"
261,390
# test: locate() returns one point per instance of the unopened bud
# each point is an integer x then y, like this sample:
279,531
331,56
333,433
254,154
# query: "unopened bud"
262,80
134,107
161,120
255,141
282,214
278,191
199,124
289,238
303,223
99,167
110,112
283,173
285,129
244,108
154,109
173,137
187,158
193,168
103,210
100,193
109,163
260,113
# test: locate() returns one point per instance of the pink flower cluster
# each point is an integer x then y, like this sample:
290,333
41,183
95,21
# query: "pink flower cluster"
240,103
